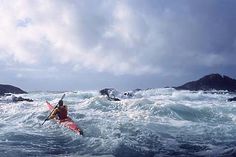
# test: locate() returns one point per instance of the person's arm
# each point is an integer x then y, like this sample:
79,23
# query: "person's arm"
54,113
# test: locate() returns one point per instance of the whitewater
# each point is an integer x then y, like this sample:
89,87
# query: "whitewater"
154,122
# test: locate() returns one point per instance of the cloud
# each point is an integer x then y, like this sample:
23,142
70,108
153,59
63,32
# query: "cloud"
119,37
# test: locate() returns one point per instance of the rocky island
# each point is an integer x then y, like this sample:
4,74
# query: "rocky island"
210,82
10,89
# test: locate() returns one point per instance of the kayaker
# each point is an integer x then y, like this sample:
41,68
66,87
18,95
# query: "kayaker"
60,112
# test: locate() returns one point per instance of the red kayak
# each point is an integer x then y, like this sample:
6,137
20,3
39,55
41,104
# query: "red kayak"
68,122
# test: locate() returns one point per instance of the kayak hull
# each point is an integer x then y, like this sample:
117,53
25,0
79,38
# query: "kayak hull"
68,122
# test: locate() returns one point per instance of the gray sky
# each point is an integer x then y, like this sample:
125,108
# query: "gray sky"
126,44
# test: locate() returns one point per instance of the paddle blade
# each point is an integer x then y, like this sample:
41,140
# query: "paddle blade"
63,96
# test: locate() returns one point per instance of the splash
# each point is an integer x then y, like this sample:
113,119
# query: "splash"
155,122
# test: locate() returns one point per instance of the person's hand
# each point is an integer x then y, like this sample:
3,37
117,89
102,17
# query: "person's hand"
81,132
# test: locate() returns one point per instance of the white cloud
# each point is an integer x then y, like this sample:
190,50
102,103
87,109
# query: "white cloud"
31,31
120,37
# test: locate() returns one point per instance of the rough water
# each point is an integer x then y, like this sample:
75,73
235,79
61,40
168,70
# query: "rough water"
156,122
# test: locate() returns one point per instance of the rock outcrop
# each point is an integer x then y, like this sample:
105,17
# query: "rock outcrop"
110,93
10,89
232,99
210,82
106,91
17,99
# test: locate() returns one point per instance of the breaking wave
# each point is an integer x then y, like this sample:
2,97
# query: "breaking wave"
155,122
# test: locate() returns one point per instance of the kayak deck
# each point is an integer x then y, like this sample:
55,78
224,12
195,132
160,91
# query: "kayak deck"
68,122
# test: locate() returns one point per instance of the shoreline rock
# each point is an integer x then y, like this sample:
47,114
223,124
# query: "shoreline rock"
110,94
210,82
10,89
17,99
232,99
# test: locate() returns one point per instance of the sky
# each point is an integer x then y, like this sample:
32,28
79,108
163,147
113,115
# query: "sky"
125,44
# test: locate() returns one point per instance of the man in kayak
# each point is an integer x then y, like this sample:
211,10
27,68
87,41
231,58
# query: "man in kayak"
60,112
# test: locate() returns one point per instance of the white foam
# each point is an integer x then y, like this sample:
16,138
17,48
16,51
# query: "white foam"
164,113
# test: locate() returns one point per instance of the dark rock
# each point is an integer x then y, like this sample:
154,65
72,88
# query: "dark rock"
16,99
232,99
106,91
129,94
10,89
113,99
110,93
210,82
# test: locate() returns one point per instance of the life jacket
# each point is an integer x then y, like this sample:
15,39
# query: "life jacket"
62,113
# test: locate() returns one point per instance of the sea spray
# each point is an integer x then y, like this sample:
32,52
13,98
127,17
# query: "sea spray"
155,122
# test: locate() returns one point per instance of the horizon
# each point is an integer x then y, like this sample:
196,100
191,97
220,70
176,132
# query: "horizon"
118,89
127,44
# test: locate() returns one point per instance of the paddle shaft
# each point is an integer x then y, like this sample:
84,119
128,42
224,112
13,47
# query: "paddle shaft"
54,109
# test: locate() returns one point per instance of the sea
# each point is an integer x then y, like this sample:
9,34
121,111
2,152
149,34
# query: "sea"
158,122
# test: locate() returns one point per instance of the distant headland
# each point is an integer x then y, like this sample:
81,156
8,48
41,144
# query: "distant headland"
210,82
10,89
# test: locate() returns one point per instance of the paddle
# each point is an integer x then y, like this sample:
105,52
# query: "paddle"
54,108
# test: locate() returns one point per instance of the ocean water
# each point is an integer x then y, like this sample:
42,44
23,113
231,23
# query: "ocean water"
155,122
